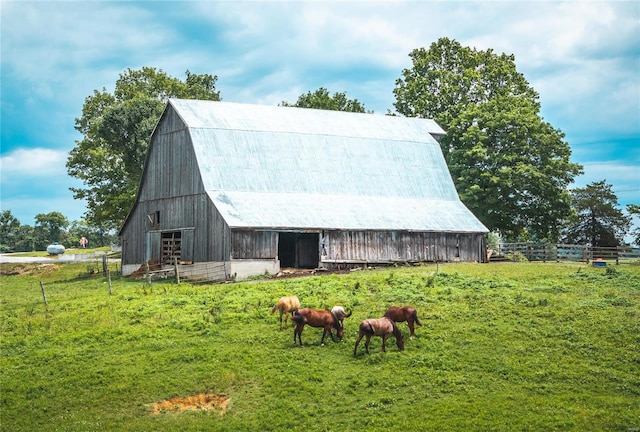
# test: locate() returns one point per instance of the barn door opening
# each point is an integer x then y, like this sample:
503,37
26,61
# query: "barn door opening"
298,250
171,247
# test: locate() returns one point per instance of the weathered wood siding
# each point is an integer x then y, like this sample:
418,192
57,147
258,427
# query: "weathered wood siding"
369,246
172,189
254,244
391,246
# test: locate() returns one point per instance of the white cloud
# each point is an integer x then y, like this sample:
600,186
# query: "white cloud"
35,181
33,163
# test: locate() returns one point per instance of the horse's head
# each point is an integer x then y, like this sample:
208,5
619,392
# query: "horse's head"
338,326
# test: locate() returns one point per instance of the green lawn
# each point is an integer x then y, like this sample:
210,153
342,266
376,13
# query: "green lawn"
504,347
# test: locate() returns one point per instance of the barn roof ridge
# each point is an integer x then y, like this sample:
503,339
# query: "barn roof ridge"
222,115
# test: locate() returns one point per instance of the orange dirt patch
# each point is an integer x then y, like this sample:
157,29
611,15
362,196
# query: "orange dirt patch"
199,402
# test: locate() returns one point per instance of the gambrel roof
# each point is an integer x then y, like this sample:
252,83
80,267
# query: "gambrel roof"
269,167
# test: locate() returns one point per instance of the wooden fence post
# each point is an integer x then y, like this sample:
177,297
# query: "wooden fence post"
175,266
109,280
44,296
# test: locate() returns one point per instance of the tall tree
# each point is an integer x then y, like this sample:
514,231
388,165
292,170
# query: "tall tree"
9,230
322,99
598,221
116,128
50,227
510,167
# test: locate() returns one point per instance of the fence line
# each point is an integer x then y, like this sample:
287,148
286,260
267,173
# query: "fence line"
561,252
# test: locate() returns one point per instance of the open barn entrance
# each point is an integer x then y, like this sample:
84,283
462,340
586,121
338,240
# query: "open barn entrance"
298,250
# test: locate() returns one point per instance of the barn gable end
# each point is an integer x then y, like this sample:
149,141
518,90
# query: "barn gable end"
276,186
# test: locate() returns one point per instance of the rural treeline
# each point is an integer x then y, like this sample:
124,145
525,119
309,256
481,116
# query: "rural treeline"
512,169
49,228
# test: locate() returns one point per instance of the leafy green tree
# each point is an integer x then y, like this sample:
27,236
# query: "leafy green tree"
9,230
25,240
510,167
116,128
598,221
634,209
322,99
50,227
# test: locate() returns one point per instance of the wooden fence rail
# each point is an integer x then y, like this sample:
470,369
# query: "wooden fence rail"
561,252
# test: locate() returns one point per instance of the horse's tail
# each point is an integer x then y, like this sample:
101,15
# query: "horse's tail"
415,318
275,308
347,315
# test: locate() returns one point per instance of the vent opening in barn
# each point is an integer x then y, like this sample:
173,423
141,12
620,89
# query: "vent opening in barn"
250,189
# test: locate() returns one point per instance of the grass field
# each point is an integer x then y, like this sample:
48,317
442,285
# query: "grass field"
504,347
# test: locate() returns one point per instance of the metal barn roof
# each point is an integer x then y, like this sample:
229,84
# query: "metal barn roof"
270,167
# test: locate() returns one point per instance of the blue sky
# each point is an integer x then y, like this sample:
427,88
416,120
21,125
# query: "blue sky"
582,57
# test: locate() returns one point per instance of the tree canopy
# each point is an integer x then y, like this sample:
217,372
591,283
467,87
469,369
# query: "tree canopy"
50,227
510,167
597,220
322,99
116,128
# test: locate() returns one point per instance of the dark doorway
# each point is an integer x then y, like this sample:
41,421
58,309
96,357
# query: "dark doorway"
298,250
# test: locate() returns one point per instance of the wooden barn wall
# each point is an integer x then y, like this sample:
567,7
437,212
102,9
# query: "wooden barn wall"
389,246
214,238
171,187
172,169
254,244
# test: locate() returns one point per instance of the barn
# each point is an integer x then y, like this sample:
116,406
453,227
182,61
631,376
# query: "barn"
253,189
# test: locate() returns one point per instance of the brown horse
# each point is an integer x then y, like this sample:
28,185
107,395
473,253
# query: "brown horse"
316,318
286,305
379,327
340,314
404,313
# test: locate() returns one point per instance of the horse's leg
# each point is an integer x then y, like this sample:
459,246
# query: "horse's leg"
411,327
328,328
298,331
360,334
366,343
384,342
290,315
280,319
